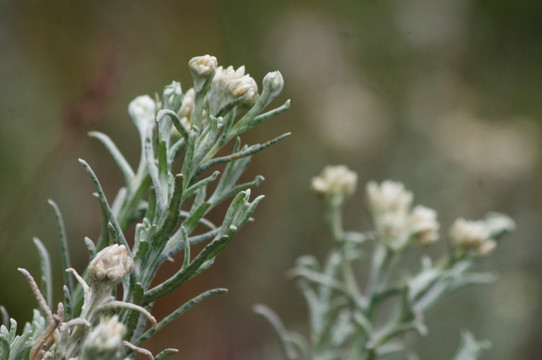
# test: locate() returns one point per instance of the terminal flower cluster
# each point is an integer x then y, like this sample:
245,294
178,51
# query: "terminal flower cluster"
365,320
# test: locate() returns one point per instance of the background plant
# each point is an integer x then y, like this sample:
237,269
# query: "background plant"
184,138
351,321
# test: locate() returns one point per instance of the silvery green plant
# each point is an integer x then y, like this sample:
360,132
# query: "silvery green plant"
169,210
350,319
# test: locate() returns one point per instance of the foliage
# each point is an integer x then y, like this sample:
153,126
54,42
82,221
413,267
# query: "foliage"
348,321
169,211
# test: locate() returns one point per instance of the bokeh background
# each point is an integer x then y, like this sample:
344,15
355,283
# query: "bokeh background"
445,96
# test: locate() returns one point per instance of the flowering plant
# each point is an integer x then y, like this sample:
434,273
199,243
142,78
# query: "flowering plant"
169,211
348,321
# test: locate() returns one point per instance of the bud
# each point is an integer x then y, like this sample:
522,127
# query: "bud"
231,86
110,265
472,235
172,97
105,341
390,196
335,180
424,224
272,86
202,69
499,225
142,111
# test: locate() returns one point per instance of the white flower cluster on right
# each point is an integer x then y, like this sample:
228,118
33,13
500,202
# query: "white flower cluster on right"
480,236
391,206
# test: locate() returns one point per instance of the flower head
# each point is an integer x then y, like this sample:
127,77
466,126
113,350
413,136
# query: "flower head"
272,86
472,235
110,265
231,86
389,196
142,111
424,225
202,69
105,341
335,180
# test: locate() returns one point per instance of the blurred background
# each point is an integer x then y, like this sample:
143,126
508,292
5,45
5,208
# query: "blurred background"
445,96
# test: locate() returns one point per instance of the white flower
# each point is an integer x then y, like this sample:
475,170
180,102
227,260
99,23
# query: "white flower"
272,85
389,196
185,112
424,224
203,65
110,265
472,235
105,341
335,180
202,69
499,224
142,111
231,85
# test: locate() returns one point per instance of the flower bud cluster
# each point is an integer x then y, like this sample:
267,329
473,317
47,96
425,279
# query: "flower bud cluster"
391,206
229,86
202,69
110,265
142,111
105,341
480,236
335,180
185,112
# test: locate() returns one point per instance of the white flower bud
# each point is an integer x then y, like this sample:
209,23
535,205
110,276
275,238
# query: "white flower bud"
142,111
229,86
474,235
202,69
110,265
172,96
335,180
389,196
424,224
499,224
105,341
273,82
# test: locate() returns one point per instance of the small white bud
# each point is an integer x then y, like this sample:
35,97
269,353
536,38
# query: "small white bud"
335,180
273,82
229,86
172,96
105,341
389,196
424,224
472,235
142,111
110,265
202,69
499,224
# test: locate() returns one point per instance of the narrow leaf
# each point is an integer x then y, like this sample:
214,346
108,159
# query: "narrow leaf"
46,273
64,252
105,206
180,311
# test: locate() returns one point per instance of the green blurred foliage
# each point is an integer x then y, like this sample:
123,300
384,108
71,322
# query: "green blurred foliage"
444,96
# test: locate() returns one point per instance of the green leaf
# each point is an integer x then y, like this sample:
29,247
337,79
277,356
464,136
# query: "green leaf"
46,273
210,251
247,151
4,348
64,252
179,312
287,346
470,349
165,354
133,316
105,206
